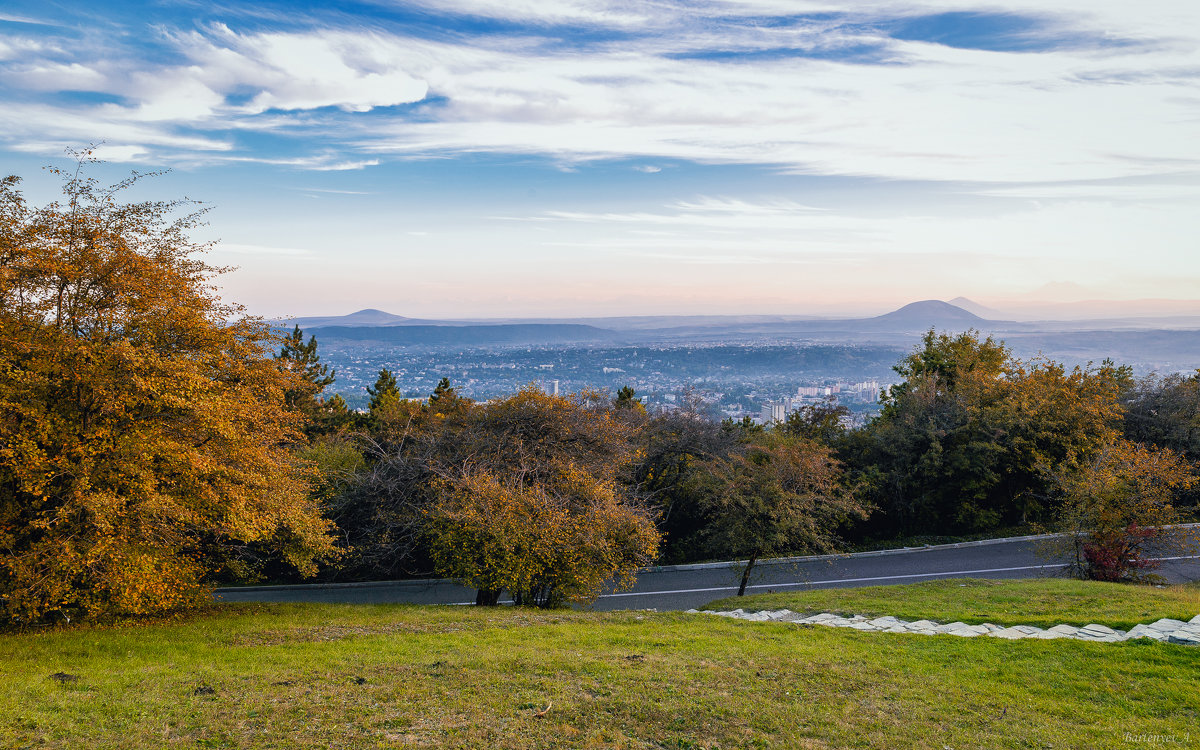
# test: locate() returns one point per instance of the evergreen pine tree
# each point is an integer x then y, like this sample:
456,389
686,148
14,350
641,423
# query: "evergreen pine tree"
302,359
627,399
443,393
385,390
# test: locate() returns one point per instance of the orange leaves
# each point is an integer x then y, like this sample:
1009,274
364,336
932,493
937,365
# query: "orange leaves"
139,422
972,438
528,499
1117,503
540,545
779,494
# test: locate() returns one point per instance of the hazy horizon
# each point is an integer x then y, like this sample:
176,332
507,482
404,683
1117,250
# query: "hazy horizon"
580,158
1018,310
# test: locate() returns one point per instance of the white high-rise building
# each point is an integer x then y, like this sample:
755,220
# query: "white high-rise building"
775,411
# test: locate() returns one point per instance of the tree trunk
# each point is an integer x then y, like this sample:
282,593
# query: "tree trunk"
487,597
746,573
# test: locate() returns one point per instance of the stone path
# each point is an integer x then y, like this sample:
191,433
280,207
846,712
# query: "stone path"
1171,631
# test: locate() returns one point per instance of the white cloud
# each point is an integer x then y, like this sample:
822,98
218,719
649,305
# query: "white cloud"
171,97
44,128
933,113
355,72
1084,238
105,152
743,207
343,166
547,11
1100,192
949,114
18,47
59,77
10,18
229,79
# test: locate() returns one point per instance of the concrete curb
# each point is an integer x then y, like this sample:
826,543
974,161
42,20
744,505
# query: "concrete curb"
876,553
844,555
412,583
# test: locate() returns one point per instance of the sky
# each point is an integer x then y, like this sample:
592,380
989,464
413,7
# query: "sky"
525,158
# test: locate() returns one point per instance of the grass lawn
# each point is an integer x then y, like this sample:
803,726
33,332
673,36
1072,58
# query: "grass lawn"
303,676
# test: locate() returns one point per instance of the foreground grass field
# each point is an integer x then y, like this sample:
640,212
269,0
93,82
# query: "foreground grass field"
300,676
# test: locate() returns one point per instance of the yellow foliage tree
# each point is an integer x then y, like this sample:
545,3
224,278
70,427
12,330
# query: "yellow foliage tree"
1117,508
544,545
779,493
528,500
141,425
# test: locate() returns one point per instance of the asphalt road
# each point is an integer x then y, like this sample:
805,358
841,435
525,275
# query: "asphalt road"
687,586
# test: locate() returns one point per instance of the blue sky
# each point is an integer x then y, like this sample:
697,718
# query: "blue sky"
567,157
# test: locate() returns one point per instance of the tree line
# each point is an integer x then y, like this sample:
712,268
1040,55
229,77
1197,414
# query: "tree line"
155,441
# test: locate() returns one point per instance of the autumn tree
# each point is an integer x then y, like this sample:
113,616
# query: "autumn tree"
1165,411
672,449
1117,507
544,543
142,420
528,500
970,439
777,494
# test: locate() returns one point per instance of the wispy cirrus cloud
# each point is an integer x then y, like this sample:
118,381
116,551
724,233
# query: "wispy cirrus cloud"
935,90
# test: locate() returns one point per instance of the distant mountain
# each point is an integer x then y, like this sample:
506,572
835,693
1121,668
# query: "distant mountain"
972,306
930,313
376,327
362,318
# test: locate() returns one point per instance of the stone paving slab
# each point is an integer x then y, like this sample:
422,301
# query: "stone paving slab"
824,616
950,627
1098,630
1166,629
1009,634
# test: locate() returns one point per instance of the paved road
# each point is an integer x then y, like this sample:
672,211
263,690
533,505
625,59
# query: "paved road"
686,586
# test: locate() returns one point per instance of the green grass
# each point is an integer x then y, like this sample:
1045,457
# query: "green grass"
309,676
1044,602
